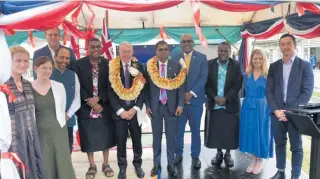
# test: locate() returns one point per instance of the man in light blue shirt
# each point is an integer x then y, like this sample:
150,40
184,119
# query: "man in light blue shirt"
287,66
290,83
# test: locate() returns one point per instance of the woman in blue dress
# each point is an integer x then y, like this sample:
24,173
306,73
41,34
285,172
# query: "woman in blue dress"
255,126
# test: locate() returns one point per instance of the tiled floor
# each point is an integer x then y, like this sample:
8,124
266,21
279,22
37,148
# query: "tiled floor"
207,171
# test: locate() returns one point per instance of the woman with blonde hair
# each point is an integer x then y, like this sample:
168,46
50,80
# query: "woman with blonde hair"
255,124
25,140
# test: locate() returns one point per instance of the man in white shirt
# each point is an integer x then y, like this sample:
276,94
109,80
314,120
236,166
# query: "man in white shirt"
52,36
125,111
70,81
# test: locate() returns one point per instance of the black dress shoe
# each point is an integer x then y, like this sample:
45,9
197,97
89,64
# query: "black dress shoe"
139,172
228,160
196,163
292,177
217,161
279,175
122,174
172,170
155,170
178,160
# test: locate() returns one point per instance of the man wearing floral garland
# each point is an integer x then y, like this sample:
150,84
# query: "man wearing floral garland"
194,97
164,101
126,94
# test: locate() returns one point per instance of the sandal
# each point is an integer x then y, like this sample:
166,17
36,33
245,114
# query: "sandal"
91,173
251,166
258,168
107,170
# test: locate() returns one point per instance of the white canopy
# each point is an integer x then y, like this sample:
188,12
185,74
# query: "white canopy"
179,16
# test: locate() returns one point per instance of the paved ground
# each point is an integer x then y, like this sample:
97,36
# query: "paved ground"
185,171
207,171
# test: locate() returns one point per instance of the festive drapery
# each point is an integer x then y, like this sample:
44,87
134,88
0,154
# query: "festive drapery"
240,6
302,7
307,26
264,29
135,6
136,36
40,15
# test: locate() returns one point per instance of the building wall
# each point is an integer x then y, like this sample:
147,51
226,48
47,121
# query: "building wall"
273,52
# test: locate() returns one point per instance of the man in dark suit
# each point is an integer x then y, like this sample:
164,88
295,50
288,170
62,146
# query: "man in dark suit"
222,89
96,128
53,36
194,97
125,111
290,83
163,104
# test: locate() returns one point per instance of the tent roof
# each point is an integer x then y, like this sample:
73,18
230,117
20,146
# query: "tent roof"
179,16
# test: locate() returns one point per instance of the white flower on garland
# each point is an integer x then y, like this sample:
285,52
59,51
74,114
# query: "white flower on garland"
182,63
133,71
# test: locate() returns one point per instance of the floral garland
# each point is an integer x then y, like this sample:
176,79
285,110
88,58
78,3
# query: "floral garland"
116,83
165,83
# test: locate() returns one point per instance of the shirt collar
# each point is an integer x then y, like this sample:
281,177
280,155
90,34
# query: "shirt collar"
223,64
52,51
98,61
291,60
123,64
184,54
160,63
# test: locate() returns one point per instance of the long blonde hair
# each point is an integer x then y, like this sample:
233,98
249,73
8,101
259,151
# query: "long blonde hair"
264,63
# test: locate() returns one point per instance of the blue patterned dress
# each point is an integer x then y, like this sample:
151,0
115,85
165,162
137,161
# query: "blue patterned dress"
255,124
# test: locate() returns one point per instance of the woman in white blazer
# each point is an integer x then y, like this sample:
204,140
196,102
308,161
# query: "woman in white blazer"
50,107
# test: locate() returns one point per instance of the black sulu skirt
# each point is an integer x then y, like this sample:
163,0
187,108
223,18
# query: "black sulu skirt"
221,130
96,134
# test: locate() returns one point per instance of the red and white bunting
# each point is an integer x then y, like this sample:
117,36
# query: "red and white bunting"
196,21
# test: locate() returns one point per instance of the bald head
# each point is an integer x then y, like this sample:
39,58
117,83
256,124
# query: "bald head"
186,36
186,43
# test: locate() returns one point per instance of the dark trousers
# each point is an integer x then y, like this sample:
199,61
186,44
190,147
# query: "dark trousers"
280,130
193,115
122,127
70,136
170,123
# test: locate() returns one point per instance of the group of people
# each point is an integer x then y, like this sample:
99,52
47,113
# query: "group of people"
106,96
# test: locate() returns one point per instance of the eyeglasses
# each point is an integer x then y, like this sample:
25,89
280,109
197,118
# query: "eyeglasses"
186,41
163,49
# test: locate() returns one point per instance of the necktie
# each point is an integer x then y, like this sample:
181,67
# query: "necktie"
187,60
163,93
127,79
